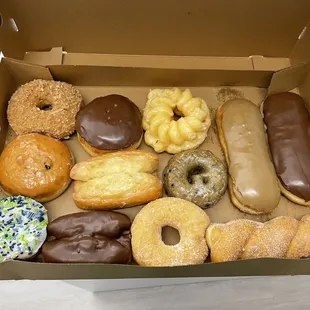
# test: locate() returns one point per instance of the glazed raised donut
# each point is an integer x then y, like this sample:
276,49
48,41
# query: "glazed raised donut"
162,132
35,166
191,222
46,107
197,176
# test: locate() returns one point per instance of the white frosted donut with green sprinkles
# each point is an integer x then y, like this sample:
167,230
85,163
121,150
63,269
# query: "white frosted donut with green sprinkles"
23,223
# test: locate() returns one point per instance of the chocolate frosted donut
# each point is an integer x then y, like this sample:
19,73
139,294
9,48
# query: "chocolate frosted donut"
89,237
109,224
197,176
109,123
88,250
288,127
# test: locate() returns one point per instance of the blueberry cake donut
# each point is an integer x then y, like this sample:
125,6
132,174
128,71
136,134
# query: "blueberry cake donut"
197,176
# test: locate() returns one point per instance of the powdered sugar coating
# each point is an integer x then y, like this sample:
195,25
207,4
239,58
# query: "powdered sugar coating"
191,222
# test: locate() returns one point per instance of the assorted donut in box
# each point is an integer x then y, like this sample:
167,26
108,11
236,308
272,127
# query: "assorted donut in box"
114,170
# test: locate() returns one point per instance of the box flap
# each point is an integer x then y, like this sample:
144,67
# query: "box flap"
301,51
24,72
56,56
205,28
52,57
288,78
253,267
7,87
134,76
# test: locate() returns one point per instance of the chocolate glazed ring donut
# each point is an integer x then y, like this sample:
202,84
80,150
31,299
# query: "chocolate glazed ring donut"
197,176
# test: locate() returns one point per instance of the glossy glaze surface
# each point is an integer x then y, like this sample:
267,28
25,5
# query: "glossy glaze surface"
288,128
250,168
110,123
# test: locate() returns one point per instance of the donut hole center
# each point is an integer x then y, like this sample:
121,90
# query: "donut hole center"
205,180
177,114
196,171
47,166
44,106
170,235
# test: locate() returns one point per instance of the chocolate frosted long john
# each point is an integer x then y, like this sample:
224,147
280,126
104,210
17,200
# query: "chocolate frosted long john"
88,250
109,224
89,237
288,128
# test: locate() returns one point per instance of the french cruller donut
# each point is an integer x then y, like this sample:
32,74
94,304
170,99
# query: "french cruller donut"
191,222
165,133
45,107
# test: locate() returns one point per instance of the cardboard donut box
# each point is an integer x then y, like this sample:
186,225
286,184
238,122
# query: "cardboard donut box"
219,49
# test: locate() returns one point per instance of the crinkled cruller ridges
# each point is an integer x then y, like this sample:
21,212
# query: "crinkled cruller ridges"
163,132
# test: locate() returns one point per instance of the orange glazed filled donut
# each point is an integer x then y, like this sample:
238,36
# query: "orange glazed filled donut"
191,222
46,107
35,166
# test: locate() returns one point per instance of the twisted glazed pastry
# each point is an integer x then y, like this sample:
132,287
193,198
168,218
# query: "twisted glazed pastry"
162,132
281,237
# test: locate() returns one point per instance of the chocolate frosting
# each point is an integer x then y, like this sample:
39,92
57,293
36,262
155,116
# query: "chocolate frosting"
253,176
84,249
89,237
110,123
288,129
109,224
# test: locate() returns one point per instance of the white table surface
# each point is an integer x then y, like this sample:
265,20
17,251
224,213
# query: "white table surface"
290,293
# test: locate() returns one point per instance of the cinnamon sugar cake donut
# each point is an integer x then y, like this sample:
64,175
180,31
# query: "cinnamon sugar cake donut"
45,107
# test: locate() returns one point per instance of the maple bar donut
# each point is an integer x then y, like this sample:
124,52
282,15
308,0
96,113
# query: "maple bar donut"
163,132
288,127
252,183
35,166
197,176
46,107
191,222
109,124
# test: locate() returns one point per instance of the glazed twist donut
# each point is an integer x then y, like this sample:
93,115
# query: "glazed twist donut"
281,237
162,132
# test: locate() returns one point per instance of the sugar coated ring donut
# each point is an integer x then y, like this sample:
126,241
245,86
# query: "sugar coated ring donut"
23,223
197,176
191,222
46,107
162,132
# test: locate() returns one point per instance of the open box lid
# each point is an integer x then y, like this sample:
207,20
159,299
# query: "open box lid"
225,28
